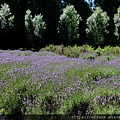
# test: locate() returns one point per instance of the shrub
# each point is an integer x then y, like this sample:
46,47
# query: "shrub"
51,48
99,51
72,51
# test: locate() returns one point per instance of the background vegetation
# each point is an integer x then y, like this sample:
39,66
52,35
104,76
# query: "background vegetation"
15,35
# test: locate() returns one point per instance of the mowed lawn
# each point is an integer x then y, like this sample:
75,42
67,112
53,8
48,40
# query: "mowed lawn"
46,83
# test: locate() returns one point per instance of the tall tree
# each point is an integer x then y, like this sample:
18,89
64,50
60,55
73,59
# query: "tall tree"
110,6
51,10
6,23
97,26
84,10
35,28
117,25
18,9
69,24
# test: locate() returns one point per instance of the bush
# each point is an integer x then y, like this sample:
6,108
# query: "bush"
72,51
89,56
51,48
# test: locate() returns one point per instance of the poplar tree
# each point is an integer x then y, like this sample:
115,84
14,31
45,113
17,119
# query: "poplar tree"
97,25
6,19
6,25
68,27
117,25
35,27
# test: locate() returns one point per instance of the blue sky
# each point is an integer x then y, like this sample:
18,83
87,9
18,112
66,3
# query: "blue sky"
92,1
87,0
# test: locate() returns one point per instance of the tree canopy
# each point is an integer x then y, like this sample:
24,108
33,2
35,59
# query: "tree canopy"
51,11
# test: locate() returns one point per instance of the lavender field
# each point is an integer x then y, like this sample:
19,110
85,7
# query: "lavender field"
46,83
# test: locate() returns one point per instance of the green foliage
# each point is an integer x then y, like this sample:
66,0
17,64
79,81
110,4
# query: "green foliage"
35,27
15,95
22,94
97,26
49,104
93,73
72,51
1,51
86,48
47,101
78,104
117,25
51,48
38,25
25,54
29,25
6,19
5,68
89,56
85,51
67,51
13,92
107,50
44,53
99,101
106,101
105,58
99,51
69,24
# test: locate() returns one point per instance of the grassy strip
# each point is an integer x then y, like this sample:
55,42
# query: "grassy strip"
92,73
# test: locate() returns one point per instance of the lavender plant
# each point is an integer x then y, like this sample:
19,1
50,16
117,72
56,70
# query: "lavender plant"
46,83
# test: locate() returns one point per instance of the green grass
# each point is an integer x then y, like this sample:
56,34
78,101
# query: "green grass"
84,101
99,101
92,73
4,68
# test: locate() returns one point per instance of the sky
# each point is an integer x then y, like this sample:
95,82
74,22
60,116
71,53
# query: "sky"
87,0
92,1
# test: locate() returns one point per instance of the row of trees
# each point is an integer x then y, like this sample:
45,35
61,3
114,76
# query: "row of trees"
51,11
68,27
